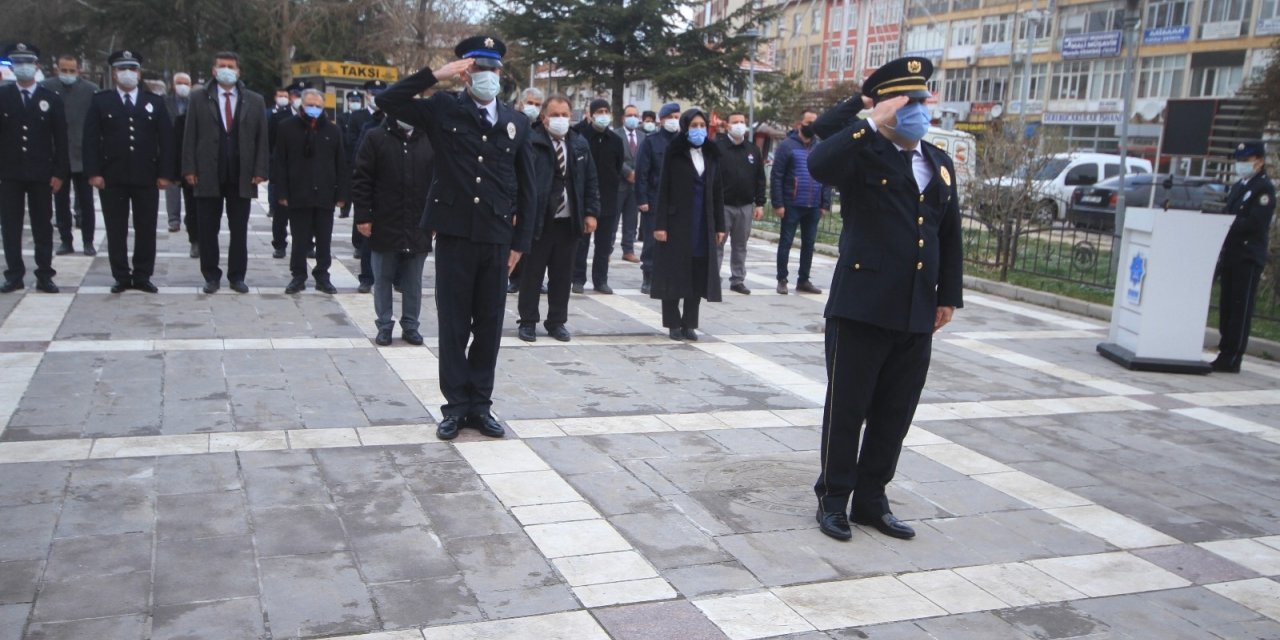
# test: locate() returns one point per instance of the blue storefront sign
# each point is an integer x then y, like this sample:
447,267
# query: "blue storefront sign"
1166,35
1099,44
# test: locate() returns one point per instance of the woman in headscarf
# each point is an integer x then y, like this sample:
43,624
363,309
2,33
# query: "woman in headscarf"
689,226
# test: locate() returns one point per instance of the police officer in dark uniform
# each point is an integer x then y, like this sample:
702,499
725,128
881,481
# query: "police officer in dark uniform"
1252,201
128,156
481,208
280,215
897,281
34,164
358,115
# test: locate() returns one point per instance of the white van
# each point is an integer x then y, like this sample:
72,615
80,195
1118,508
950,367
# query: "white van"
1060,175
961,146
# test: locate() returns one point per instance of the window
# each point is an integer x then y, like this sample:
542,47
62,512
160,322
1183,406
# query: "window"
1161,77
797,20
956,87
1082,174
879,53
1269,18
837,17
1070,80
1216,81
1108,80
1040,27
964,33
1167,13
924,8
995,29
782,60
848,58
815,61
964,5
639,92
833,61
990,84
926,37
935,83
1089,18
1036,89
816,20
1223,10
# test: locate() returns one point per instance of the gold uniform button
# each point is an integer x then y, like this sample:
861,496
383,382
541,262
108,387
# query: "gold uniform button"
479,158
922,197
920,242
484,138
883,181
919,266
857,265
920,220
476,200
477,179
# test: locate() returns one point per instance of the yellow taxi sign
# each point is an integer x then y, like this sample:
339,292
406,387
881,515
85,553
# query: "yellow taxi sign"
345,71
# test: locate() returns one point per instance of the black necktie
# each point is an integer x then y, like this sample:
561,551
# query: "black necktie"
484,117
560,161
128,102
26,98
909,155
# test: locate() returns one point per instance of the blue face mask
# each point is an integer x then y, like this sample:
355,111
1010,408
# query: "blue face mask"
225,76
631,122
913,121
697,137
313,112
602,121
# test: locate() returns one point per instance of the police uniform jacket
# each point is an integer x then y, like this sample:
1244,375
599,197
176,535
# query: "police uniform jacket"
277,115
202,138
483,183
353,127
584,181
310,166
1253,202
389,188
649,165
33,139
75,102
900,248
128,147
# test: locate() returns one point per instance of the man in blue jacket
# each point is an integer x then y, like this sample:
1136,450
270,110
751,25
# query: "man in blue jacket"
648,173
798,201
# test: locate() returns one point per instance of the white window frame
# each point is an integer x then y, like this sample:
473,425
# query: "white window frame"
1163,14
1071,80
814,68
815,25
996,29
926,37
964,33
958,85
1108,80
1039,76
1161,76
1225,81
1213,11
837,17
991,84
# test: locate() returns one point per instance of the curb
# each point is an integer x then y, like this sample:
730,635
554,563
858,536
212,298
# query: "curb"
1258,347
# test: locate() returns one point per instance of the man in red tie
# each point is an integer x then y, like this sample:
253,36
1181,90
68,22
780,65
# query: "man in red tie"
225,156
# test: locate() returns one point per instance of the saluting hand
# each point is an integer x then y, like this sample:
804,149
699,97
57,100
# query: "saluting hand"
886,113
942,317
452,69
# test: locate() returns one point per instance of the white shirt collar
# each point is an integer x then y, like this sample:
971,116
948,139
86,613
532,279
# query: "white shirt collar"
133,95
491,109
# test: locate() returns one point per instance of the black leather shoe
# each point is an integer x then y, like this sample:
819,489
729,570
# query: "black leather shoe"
365,287
195,251
740,288
76,220
324,286
412,337
579,287
145,286
46,286
448,428
559,332
90,251
527,333
834,524
690,335
311,254
676,333
644,285
383,339
603,289
212,286
239,286
120,286
11,285
887,524
807,287
513,286
277,254
64,249
1223,365
173,228
296,285
488,425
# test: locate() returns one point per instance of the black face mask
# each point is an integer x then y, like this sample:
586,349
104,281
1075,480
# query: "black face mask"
806,131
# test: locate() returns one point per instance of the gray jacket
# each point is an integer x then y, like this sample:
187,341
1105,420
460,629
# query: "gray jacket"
75,99
201,140
628,158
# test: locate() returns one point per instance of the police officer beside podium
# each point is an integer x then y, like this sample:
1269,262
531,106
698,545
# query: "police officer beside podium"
34,164
481,208
128,157
898,280
1252,200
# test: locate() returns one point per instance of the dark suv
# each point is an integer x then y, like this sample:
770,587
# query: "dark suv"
1095,207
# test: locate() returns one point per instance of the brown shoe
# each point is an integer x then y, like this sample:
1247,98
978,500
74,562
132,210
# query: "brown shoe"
807,287
630,257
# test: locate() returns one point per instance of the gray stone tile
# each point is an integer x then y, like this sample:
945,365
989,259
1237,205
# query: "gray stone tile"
677,619
411,454
615,492
668,539
93,597
298,530
1128,615
99,556
315,595
378,505
518,603
239,619
441,478
1195,564
401,554
353,465
208,569
464,515
18,581
711,579
1050,621
285,486
783,557
748,441
32,483
271,459
796,438
200,515
501,562
84,516
971,626
133,627
627,446
964,497
571,456
1200,607
892,631
1055,536
986,537
429,602
12,618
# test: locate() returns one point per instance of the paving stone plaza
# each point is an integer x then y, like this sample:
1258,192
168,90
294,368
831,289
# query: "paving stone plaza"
227,466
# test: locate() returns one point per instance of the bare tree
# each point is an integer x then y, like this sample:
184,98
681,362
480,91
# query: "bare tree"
418,33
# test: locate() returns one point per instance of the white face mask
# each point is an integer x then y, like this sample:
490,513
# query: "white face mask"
531,112
738,130
558,126
296,103
1244,169
128,80
183,90
650,127
672,125
282,102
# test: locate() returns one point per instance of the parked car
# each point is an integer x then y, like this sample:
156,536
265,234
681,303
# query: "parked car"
1058,177
961,146
1095,207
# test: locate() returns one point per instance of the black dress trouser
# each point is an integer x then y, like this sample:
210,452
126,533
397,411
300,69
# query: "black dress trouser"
603,238
873,375
38,198
672,317
1237,289
471,292
209,225
310,225
83,209
552,255
117,204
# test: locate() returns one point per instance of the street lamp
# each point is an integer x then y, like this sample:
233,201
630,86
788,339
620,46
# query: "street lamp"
751,80
1129,36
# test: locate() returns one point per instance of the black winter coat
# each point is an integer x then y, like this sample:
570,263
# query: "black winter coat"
673,259
607,151
585,190
392,176
320,179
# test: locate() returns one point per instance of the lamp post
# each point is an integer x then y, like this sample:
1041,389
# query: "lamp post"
1129,36
1032,18
751,79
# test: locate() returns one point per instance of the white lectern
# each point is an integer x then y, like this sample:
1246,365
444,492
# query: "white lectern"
1161,301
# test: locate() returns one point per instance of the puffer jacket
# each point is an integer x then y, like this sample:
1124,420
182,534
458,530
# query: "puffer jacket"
392,176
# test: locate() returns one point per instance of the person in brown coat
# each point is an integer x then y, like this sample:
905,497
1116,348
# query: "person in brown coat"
689,227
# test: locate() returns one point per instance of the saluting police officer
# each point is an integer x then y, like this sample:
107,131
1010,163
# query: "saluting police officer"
897,281
1252,201
481,208
128,156
33,165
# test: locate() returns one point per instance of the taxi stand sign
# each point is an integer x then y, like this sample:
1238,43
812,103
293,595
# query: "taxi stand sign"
345,71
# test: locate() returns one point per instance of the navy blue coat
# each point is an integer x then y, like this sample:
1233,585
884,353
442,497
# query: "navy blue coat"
33,139
1253,204
901,255
128,148
652,151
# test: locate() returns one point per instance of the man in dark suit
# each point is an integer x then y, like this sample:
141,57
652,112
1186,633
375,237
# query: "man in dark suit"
128,155
1252,200
481,208
607,152
629,216
897,281
648,176
76,92
225,157
359,113
568,207
311,178
279,214
33,166
179,194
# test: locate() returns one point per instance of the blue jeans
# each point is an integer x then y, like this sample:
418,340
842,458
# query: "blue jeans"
807,219
408,266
